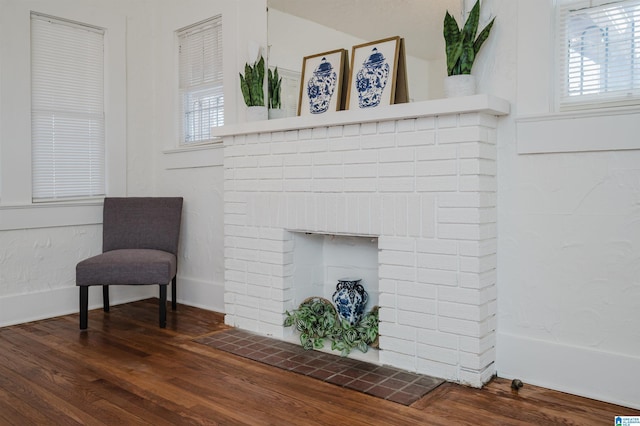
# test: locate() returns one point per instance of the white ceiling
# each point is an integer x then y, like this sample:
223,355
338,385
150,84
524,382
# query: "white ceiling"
419,22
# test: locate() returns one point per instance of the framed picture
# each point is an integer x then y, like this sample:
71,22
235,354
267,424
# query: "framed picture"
378,74
323,82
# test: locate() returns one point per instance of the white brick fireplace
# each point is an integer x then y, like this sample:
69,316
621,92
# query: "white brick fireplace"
418,180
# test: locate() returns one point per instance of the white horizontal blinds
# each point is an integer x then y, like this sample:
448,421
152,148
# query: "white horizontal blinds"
67,109
600,52
200,69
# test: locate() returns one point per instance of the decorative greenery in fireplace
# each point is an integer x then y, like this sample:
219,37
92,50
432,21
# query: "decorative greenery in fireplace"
316,319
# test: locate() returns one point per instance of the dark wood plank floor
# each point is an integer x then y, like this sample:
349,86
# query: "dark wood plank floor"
125,370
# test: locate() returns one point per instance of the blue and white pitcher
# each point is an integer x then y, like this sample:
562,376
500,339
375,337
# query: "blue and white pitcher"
350,298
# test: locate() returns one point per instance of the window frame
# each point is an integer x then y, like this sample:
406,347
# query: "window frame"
214,86
600,100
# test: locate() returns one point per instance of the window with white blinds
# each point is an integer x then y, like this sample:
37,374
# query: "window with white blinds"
200,76
599,53
67,109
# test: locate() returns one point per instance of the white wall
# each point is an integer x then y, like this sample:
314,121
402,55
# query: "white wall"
568,223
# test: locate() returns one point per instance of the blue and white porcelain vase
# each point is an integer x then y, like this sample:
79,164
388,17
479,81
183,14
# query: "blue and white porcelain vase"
350,298
372,79
321,86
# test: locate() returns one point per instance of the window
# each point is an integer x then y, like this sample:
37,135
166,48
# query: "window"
200,75
599,53
67,109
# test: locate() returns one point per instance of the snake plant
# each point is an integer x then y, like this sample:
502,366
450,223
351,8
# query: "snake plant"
251,83
274,87
461,45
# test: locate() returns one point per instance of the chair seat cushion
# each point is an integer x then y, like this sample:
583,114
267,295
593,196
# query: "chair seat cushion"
128,267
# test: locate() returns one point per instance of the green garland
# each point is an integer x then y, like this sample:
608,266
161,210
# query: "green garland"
316,319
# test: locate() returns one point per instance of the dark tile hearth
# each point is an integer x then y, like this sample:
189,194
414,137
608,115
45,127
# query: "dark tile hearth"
383,382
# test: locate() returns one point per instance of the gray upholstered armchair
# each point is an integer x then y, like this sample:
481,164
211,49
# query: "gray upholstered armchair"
139,247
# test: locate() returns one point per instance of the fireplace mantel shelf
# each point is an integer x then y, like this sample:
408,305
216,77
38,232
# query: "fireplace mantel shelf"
469,104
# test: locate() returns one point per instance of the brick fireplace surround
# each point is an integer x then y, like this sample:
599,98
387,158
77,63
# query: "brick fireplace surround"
419,177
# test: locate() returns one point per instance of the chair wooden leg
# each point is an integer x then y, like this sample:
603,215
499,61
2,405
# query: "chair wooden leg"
173,294
163,306
105,298
84,306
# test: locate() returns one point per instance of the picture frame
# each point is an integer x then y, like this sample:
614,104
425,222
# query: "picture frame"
323,82
378,74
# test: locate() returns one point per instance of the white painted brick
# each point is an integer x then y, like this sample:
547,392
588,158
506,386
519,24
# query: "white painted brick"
476,166
344,144
402,155
269,318
386,315
263,138
436,246
436,338
459,295
460,231
416,139
478,281
477,345
389,356
378,141
466,200
466,215
387,127
297,160
437,276
396,169
416,304
361,185
297,185
414,215
438,261
460,311
402,273
477,361
447,121
437,369
437,183
463,134
415,289
399,258
407,125
402,332
437,153
360,171
417,319
477,150
320,145
396,184
386,242
438,354
328,185
235,265
270,185
387,300
235,219
406,347
270,161
477,379
478,248
437,168
327,158
368,128
461,327
335,132
297,172
478,264
478,183
259,292
237,208
242,162
428,215
425,123
257,268
401,214
242,231
351,130
302,134
360,157
364,219
387,286
478,119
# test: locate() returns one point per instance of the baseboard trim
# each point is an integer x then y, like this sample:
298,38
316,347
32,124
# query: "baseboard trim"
21,308
201,294
599,375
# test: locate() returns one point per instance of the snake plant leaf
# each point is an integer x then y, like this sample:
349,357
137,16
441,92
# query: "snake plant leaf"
484,34
245,90
471,25
453,40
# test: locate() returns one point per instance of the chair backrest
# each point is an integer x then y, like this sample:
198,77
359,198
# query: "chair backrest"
141,223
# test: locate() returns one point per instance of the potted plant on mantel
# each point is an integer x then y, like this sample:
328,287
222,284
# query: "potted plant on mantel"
274,89
251,84
462,46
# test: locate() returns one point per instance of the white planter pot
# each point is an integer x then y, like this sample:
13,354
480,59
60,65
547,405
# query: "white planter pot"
459,85
275,113
256,113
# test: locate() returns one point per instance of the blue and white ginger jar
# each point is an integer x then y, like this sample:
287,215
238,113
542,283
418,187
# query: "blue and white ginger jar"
350,299
372,79
321,86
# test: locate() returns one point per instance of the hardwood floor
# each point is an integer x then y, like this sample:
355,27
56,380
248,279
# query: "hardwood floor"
125,370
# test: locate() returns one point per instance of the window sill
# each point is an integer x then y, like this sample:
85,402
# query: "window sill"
186,157
607,129
47,215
